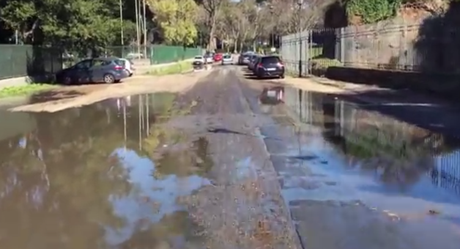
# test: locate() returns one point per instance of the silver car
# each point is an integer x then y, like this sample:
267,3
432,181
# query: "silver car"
227,59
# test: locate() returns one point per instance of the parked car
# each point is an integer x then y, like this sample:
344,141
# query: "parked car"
252,61
217,57
198,62
129,66
269,66
227,59
208,59
95,70
244,58
134,55
199,59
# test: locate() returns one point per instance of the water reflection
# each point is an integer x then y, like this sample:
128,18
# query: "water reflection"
399,154
86,178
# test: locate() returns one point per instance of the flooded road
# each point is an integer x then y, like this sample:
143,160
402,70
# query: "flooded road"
226,165
355,178
86,178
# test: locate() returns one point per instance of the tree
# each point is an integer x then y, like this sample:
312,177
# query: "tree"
176,19
72,23
288,17
212,9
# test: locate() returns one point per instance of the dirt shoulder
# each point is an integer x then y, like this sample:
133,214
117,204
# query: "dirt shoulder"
365,93
75,96
325,86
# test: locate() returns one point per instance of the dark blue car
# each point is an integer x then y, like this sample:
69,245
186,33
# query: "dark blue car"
95,70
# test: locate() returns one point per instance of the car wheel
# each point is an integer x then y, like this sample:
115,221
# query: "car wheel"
282,76
109,79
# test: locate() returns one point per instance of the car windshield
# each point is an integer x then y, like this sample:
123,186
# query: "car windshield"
270,60
198,57
227,56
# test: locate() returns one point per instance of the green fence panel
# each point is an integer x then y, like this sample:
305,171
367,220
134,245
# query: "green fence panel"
28,60
129,51
156,53
166,54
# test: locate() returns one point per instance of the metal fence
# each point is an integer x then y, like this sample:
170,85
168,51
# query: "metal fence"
28,60
392,45
300,49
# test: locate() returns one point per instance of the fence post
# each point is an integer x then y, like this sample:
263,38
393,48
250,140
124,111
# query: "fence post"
339,44
300,54
308,52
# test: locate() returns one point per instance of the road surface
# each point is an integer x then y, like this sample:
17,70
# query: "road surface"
229,163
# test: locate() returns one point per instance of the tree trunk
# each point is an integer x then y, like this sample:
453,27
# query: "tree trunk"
211,44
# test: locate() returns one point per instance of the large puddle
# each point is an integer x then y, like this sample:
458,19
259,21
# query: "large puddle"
348,152
106,175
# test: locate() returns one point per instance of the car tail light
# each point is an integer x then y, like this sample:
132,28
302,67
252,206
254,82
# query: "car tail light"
280,64
117,67
260,65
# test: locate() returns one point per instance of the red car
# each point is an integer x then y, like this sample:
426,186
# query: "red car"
218,57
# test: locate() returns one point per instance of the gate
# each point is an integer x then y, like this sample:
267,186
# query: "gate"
301,51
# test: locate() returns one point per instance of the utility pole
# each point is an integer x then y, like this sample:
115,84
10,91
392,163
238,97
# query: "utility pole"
136,6
121,24
145,27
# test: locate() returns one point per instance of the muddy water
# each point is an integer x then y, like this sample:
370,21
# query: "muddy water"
88,178
370,180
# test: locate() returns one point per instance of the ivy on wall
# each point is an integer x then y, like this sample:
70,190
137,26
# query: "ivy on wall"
371,11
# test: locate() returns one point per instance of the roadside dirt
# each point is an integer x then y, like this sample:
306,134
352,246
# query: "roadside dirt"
75,96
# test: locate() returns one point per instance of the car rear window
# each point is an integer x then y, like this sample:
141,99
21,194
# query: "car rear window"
119,62
271,60
227,56
198,57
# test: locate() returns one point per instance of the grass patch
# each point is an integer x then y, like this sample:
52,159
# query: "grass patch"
175,68
24,89
319,65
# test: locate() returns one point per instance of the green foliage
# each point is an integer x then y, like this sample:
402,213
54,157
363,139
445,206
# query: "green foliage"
176,19
371,11
319,66
74,23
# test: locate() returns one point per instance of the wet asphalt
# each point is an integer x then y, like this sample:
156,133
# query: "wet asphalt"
232,163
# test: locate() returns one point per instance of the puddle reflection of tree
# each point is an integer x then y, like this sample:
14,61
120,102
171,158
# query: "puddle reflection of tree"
399,152
58,174
60,177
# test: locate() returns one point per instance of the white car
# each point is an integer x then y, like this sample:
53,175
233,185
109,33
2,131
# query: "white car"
208,59
198,59
128,64
227,59
135,56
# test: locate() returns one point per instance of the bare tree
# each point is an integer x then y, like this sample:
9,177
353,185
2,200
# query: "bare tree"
212,8
289,17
